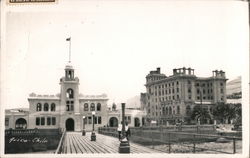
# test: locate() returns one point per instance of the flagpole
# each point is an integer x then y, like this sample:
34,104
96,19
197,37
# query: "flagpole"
69,49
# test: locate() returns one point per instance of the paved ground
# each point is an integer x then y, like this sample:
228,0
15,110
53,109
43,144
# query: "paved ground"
76,143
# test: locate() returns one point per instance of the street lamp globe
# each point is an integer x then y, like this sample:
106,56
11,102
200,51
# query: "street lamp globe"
83,126
93,136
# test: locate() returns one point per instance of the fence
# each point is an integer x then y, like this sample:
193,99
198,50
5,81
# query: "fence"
174,140
59,149
27,140
201,129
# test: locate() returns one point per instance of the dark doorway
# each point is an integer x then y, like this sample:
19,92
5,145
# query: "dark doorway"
143,121
21,123
70,124
137,122
113,122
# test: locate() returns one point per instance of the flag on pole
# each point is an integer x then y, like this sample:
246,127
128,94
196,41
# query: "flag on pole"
68,39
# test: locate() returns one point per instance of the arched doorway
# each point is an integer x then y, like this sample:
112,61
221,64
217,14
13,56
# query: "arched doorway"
70,124
137,122
113,122
21,123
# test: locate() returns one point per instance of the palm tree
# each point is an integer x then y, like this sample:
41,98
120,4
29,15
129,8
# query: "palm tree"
200,113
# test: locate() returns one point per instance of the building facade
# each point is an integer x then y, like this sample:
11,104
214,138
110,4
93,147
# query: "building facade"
134,117
16,118
69,110
170,99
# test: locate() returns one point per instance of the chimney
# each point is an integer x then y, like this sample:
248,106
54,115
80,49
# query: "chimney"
158,70
174,71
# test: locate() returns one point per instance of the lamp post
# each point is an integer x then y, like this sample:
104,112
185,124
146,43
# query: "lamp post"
124,145
93,136
200,95
83,126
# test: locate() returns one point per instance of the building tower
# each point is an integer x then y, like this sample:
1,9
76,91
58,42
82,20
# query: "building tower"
69,106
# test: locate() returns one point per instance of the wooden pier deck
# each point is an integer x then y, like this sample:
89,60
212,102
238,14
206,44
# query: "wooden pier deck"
75,143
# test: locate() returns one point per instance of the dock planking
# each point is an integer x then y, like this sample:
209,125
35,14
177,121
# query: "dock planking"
75,143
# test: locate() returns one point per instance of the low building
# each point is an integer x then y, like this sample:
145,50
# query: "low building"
134,117
16,118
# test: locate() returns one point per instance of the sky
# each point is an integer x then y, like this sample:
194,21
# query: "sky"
114,44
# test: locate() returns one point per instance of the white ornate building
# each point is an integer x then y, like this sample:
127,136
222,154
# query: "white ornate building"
69,109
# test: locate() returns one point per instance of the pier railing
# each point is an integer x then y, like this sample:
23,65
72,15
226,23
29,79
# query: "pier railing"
61,144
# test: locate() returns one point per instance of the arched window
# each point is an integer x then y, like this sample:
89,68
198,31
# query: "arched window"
113,122
92,107
170,110
39,107
178,109
70,93
98,107
166,110
188,110
86,107
46,107
53,107
21,123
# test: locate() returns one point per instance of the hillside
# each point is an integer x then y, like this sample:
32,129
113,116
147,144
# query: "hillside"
234,86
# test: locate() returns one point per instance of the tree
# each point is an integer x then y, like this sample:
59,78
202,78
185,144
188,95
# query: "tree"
226,112
238,114
230,113
219,112
200,113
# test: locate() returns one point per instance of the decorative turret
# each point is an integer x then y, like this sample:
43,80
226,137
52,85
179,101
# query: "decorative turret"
220,74
183,71
69,72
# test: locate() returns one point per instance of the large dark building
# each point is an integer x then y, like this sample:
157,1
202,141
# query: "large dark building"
170,99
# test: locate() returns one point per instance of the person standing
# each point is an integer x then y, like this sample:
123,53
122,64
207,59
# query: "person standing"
127,131
119,129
